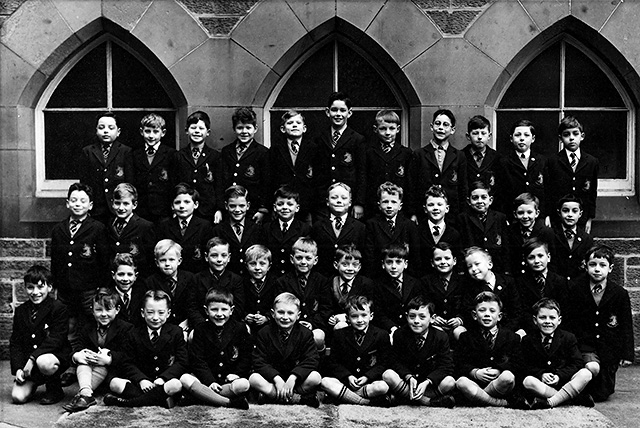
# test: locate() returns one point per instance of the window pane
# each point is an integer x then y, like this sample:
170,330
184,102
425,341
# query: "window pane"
86,83
133,83
538,85
66,135
585,83
606,139
546,124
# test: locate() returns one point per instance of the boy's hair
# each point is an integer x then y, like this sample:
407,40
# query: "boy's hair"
121,259
442,246
80,187
123,189
569,122
446,112
357,303
436,191
107,298
289,114
347,252
339,96
218,296
400,251
305,244
420,301
108,114
156,295
165,245
244,115
36,274
391,189
185,189
487,296
235,191
600,251
546,303
286,298
526,199
531,244
473,250
388,116
340,184
479,184
523,122
196,117
569,198
256,252
286,192
215,241
478,122
153,120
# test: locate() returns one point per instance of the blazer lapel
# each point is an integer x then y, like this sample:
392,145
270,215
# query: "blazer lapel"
449,157
429,154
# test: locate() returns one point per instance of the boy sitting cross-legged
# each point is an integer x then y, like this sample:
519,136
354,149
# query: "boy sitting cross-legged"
219,355
285,359
359,355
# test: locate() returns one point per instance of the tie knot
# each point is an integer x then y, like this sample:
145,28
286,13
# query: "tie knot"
195,152
436,230
295,145
569,234
151,151
336,136
338,223
523,156
597,289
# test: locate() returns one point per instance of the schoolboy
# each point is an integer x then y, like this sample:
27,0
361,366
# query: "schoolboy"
259,287
359,356
385,160
388,227
219,356
481,226
237,229
488,358
600,317
395,288
128,232
339,228
444,288
245,162
280,233
552,361
483,162
572,170
482,278
439,163
38,347
105,164
435,227
341,150
571,241
188,230
526,225
295,162
310,287
217,254
100,351
156,357
421,362
200,166
125,284
154,170
522,170
347,283
285,358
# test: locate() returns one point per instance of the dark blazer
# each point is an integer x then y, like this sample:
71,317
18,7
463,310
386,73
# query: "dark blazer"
568,262
166,360
251,234
488,170
80,262
115,341
370,359
505,288
448,302
583,182
390,305
450,235
361,286
492,236
103,176
473,352
203,281
252,171
563,359
298,356
515,240
514,179
154,182
194,241
204,176
46,335
137,238
433,361
212,360
315,299
181,300
555,287
379,235
352,232
259,302
132,314
280,246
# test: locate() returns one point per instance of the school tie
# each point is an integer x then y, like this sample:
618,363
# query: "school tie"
440,153
568,233
284,336
125,301
359,336
523,159
74,225
284,228
195,154
119,226
392,225
33,313
102,335
295,146
338,223
183,227
237,228
419,341
344,289
386,148
574,161
597,289
259,285
436,230
445,284
171,285
154,337
151,151
398,284
526,233
240,148
106,148
478,156
482,218
489,338
546,342
302,280
540,283
219,334
335,137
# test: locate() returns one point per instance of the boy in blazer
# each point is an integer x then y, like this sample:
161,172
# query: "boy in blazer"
126,285
483,162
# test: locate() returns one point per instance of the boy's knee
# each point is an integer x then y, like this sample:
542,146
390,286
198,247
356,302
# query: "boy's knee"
593,367
328,382
379,387
529,382
447,384
172,386
20,395
240,386
314,379
464,384
48,364
318,337
390,376
507,378
584,374
458,331
187,380
256,380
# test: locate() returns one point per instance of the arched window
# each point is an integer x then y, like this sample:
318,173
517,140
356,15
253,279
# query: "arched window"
568,79
104,76
336,66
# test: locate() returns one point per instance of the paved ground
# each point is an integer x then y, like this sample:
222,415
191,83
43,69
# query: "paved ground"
622,410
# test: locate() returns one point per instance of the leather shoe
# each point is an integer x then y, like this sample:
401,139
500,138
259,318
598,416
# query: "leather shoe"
67,378
239,403
112,400
310,400
584,399
79,403
445,401
518,402
540,404
52,396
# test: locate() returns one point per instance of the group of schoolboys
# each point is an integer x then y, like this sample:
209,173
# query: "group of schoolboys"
270,305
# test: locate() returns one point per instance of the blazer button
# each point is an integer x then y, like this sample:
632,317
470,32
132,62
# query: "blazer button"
548,363
70,242
33,336
237,165
70,253
35,346
437,175
155,357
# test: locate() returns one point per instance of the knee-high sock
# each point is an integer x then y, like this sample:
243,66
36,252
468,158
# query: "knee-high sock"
567,392
475,393
348,396
206,394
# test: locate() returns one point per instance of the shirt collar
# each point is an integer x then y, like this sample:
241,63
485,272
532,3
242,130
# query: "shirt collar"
527,154
343,217
341,130
482,152
444,145
155,146
149,331
568,153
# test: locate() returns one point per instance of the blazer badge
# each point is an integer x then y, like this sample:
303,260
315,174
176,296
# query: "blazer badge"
310,172
87,251
133,249
172,359
400,172
492,180
587,185
250,172
348,158
315,305
197,253
613,321
540,180
454,177
373,360
498,240
234,353
119,171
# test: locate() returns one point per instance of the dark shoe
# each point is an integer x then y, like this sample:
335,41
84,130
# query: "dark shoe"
382,401
239,403
262,399
79,403
518,402
540,404
53,395
67,379
584,399
172,401
113,400
446,401
310,400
